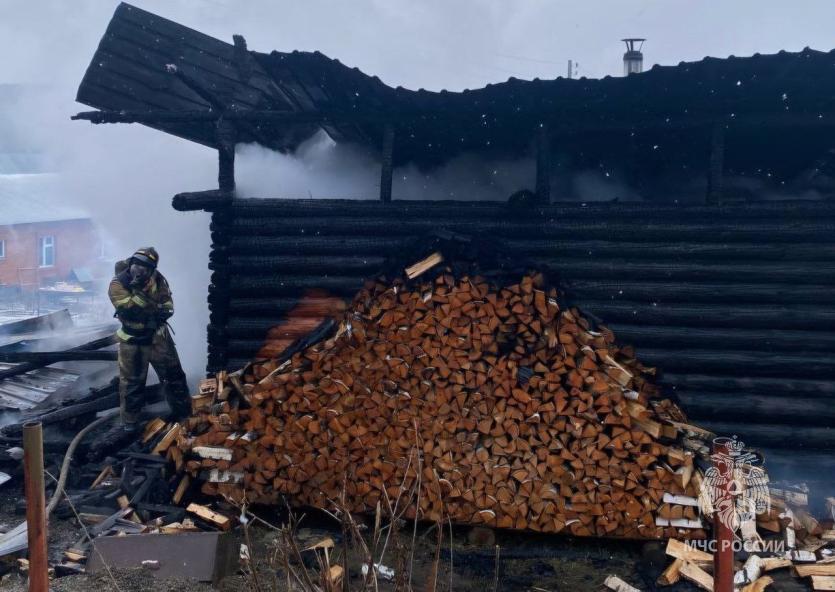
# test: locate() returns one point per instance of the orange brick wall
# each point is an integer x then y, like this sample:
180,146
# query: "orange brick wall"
76,245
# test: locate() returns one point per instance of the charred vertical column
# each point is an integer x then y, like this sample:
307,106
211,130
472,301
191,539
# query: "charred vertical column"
218,337
387,168
217,333
225,156
543,165
717,164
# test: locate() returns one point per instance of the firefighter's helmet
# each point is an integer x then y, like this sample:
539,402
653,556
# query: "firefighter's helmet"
147,256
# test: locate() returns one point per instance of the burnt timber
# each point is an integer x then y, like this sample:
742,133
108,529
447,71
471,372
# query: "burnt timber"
732,302
733,307
767,115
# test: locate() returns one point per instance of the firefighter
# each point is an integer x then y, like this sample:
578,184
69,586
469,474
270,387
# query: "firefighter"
143,303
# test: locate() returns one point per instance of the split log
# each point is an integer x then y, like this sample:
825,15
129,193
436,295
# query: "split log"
823,583
423,265
771,563
496,404
679,550
167,440
759,585
826,569
185,481
672,574
693,573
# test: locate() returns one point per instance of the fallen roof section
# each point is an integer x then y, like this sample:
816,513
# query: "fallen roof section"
29,383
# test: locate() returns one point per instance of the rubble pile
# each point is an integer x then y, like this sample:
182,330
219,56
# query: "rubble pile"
783,537
486,404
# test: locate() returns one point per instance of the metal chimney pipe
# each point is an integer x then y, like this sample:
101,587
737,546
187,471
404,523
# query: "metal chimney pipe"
633,59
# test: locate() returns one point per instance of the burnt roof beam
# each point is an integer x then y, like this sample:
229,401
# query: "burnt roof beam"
158,116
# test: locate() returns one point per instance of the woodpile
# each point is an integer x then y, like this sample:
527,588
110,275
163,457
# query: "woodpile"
485,404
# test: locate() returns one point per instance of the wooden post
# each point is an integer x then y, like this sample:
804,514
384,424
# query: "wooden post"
35,501
387,168
723,558
225,156
717,164
543,165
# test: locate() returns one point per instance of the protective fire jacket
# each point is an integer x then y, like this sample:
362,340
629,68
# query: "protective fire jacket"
140,310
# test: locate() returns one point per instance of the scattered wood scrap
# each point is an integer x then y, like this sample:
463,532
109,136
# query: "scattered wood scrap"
618,585
695,574
215,518
167,440
672,574
823,582
685,552
424,265
759,585
826,569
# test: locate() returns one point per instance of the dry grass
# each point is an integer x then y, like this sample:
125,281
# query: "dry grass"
385,557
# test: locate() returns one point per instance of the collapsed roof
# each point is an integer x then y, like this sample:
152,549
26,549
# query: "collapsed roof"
154,71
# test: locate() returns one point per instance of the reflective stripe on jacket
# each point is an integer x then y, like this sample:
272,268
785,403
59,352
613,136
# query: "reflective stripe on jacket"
140,310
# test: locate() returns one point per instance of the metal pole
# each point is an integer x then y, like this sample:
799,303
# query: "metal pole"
723,558
35,501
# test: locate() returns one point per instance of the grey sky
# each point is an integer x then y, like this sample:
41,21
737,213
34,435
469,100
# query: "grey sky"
435,43
125,175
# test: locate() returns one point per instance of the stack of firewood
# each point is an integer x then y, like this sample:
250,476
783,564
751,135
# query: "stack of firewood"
456,399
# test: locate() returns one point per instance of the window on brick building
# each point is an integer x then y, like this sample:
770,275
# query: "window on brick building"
2,249
47,251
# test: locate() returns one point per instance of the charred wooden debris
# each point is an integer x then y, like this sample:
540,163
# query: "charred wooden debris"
446,394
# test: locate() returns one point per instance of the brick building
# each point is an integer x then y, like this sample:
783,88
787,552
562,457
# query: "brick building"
42,238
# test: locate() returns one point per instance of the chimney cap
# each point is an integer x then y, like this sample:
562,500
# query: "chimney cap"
632,41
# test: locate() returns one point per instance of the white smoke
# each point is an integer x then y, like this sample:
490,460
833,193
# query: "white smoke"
323,169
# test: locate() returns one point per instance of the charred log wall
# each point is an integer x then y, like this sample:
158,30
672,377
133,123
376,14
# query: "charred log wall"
733,303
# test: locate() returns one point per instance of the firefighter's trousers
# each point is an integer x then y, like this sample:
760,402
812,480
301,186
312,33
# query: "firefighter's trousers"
134,358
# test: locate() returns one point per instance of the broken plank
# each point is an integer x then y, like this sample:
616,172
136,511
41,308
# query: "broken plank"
771,563
105,473
210,516
679,550
826,569
825,583
74,556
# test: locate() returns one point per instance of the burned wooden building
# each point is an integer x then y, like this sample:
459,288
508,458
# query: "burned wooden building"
728,292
